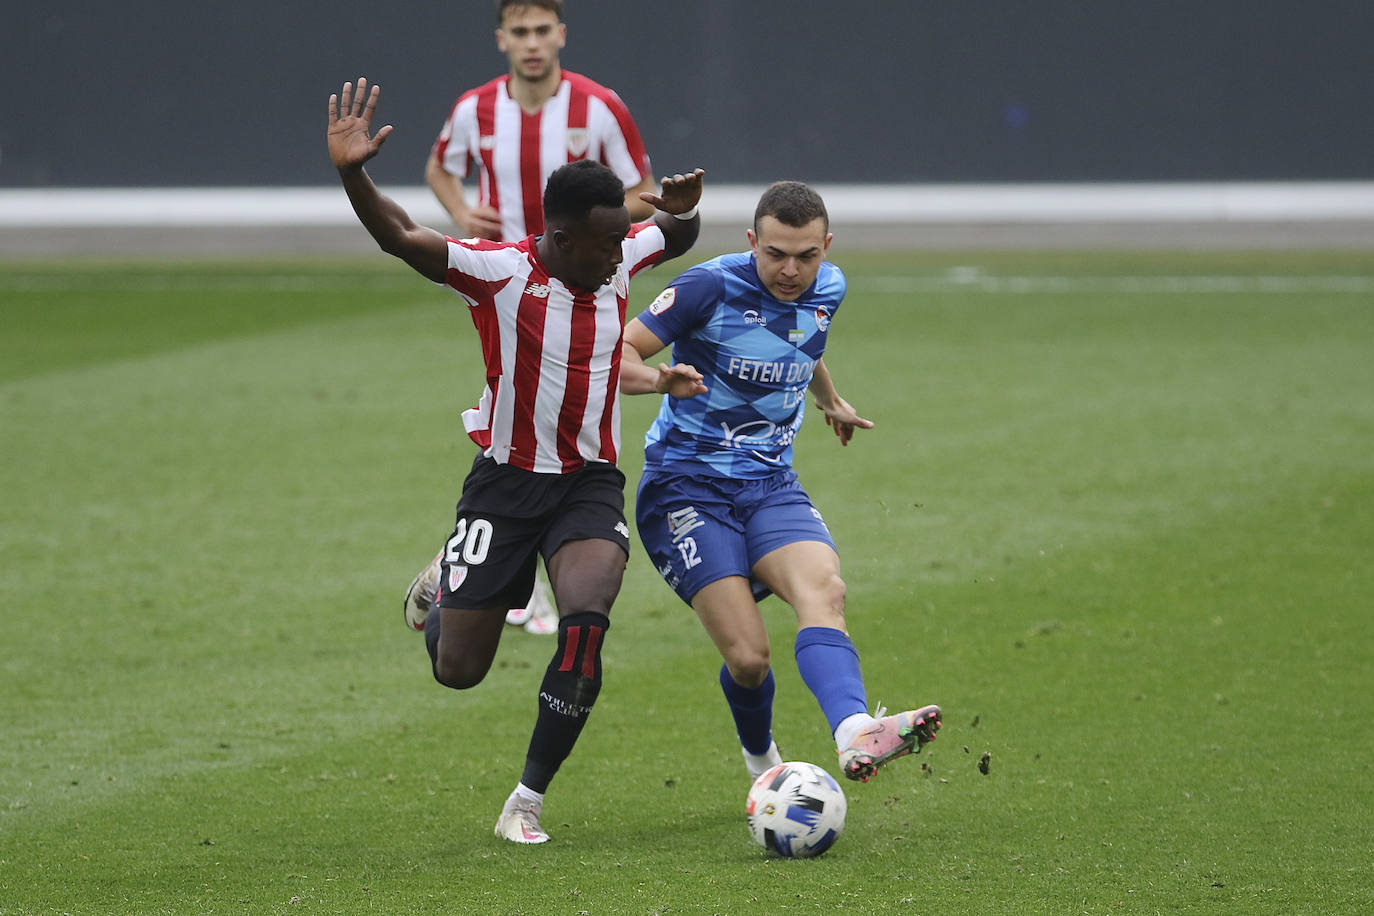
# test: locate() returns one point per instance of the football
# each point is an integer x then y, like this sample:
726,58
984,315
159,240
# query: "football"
796,810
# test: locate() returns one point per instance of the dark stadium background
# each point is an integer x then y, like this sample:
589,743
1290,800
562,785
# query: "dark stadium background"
137,94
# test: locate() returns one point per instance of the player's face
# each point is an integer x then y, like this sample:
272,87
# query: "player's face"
591,250
789,257
531,38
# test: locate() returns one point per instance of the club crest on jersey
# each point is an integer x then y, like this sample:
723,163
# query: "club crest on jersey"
577,142
456,575
822,319
664,301
622,286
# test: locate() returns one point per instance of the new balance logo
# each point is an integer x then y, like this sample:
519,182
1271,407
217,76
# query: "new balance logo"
538,290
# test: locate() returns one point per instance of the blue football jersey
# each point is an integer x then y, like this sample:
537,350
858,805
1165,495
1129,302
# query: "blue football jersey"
757,355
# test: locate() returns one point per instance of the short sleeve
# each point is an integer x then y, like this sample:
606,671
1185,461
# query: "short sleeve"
687,303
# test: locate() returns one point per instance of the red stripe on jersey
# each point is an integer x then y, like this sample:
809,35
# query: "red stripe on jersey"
589,654
628,129
608,452
570,649
646,261
484,318
529,354
577,119
486,128
531,187
582,337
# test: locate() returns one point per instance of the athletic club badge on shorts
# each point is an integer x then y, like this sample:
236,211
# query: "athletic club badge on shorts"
456,575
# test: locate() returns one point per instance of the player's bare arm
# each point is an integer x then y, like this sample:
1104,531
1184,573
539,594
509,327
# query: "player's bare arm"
678,194
472,221
839,415
350,146
679,380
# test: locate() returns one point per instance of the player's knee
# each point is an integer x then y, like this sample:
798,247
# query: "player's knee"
823,604
749,666
457,673
833,591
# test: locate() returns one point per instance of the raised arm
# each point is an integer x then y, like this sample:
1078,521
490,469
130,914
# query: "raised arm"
679,380
350,119
678,197
838,414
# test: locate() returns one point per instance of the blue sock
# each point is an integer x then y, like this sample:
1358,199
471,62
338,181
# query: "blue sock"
752,708
829,664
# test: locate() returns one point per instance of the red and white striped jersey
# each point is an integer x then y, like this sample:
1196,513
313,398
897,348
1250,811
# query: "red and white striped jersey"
516,152
552,353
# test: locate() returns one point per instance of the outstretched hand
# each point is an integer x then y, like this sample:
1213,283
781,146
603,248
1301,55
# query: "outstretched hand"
350,118
679,193
841,417
680,380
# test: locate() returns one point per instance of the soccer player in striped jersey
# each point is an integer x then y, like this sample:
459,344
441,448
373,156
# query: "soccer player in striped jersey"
512,132
719,507
516,129
550,315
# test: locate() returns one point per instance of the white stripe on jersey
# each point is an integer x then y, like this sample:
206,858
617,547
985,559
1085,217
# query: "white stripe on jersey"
519,419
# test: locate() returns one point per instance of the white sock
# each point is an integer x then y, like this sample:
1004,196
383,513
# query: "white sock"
758,764
851,726
525,793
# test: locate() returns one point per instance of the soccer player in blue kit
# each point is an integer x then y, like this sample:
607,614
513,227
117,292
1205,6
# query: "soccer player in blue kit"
720,510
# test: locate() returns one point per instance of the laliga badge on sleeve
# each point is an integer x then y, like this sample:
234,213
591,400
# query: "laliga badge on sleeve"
663,302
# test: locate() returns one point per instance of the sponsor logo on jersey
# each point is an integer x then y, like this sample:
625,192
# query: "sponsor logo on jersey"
753,317
770,372
682,522
486,141
796,335
664,301
538,290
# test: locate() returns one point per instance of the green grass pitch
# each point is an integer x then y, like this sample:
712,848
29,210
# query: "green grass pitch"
1117,518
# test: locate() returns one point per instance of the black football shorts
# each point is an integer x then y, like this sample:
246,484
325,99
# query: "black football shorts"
507,517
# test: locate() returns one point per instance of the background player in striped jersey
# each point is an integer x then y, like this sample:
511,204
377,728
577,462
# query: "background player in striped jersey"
550,314
513,132
516,129
719,507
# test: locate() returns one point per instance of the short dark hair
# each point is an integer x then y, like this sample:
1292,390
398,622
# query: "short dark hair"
574,189
553,6
791,203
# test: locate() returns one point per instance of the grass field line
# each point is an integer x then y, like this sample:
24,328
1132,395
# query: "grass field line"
972,279
41,282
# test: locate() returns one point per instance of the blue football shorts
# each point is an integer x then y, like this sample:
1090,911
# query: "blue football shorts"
697,530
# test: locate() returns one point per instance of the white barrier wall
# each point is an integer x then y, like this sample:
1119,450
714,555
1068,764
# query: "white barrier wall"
734,204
